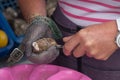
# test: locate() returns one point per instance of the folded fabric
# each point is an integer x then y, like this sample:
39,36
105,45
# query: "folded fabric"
40,72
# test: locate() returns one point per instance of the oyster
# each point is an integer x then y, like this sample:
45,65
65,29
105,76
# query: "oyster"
43,44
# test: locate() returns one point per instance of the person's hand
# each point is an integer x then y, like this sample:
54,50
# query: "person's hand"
45,57
39,29
97,41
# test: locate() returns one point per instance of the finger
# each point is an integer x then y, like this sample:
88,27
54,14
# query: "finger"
46,56
102,56
65,39
105,58
89,55
53,53
52,49
90,52
97,55
71,44
79,51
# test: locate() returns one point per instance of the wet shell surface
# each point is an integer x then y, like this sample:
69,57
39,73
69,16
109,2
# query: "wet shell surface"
43,44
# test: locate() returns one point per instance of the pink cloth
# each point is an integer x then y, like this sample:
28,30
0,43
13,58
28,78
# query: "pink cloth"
40,72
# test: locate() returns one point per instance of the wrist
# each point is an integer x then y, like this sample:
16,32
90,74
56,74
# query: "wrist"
30,18
50,23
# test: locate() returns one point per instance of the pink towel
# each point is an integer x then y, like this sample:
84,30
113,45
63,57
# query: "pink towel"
40,72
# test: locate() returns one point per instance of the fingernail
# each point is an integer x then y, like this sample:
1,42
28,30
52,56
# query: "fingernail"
66,52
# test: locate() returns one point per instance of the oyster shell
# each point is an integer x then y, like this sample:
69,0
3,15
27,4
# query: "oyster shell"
43,44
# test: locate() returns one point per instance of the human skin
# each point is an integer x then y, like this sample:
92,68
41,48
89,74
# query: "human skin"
97,41
32,8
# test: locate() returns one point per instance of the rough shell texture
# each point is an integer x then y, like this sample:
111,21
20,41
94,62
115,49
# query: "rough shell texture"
43,44
40,72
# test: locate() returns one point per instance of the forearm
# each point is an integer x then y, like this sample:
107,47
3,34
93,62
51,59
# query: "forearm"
30,8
